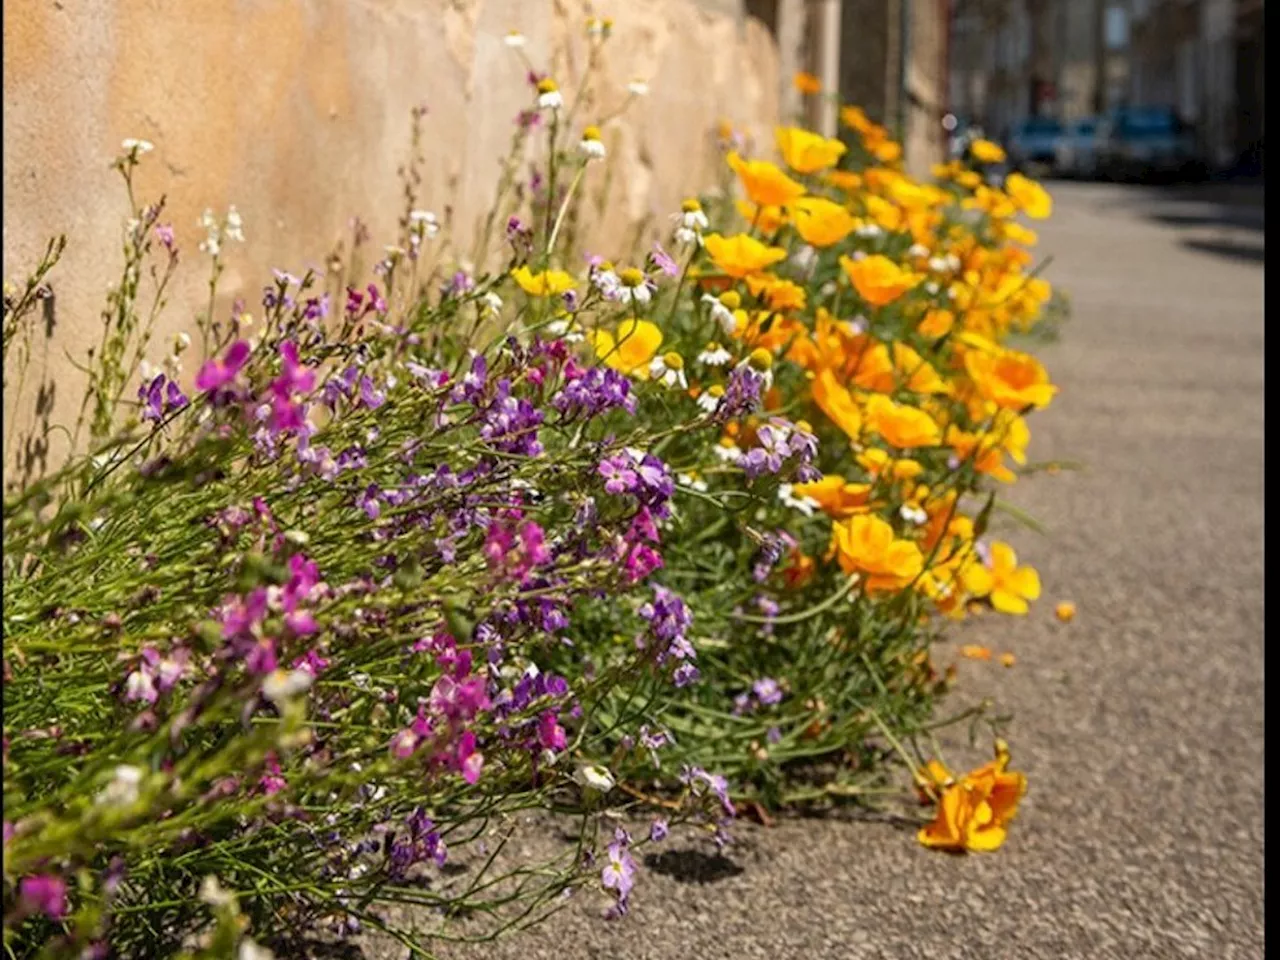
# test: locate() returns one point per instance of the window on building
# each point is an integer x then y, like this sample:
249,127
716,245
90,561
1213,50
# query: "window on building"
1117,28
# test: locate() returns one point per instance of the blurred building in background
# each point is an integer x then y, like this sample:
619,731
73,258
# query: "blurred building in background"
1068,59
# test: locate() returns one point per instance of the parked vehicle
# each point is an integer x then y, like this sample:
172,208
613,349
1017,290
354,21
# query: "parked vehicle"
1034,143
1077,153
1147,142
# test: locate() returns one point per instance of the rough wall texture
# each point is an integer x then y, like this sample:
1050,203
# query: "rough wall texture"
298,112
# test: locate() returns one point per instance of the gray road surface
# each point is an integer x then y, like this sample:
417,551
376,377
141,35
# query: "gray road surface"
1139,725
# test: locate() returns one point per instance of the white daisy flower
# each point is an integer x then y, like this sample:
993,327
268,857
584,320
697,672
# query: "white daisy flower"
913,514
514,39
668,368
234,225
633,286
692,481
123,788
728,451
939,264
565,329
917,251
869,230
282,685
806,505
134,145
594,777
721,312
638,88
591,146
492,302
549,97
425,221
714,355
931,288
855,327
709,399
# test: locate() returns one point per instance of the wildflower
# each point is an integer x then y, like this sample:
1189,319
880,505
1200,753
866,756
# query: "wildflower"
122,791
714,355
635,346
548,283
974,651
727,451
709,399
619,873
1065,611
1007,585
769,220
659,830
837,403
514,39
865,544
984,151
215,374
549,97
1008,378
974,811
281,685
806,83
807,152
136,147
765,184
44,894
1028,196
742,255
590,146
806,505
837,497
634,286
722,308
594,777
668,369
822,222
638,88
662,260
901,426
878,279
1007,660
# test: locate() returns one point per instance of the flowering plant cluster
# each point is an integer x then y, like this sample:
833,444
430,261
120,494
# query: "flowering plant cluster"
405,556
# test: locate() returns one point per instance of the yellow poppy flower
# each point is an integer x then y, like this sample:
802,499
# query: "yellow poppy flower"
806,83
768,220
548,283
901,426
837,497
742,255
878,279
864,544
984,151
630,352
1007,585
765,184
837,403
807,152
1008,378
1029,197
974,812
822,222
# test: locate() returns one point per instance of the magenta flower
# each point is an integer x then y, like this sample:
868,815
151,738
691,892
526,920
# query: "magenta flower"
215,374
44,894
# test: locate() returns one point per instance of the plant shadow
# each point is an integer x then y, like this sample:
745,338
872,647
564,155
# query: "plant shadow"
692,866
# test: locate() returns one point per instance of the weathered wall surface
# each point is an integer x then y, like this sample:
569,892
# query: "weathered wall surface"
298,112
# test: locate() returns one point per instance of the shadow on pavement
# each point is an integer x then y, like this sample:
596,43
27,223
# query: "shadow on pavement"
692,866
1252,253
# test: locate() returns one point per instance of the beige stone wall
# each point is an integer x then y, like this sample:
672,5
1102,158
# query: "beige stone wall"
298,112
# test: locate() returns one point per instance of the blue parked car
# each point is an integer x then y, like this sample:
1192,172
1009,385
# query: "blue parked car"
1034,144
1147,142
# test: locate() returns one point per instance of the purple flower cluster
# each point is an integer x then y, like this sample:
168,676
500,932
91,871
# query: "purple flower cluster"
160,397
619,871
640,474
668,620
742,394
591,392
777,442
765,692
